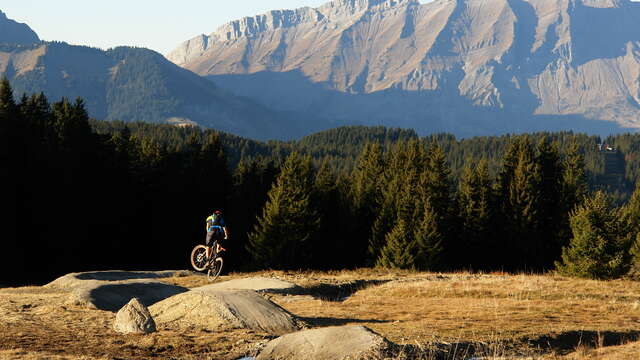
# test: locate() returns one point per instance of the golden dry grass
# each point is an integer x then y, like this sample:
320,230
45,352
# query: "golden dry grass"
546,317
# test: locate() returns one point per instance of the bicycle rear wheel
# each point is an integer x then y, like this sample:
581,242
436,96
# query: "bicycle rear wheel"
199,257
215,268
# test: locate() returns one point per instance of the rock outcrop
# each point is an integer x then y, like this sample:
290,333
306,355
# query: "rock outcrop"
225,309
468,66
12,32
134,318
330,343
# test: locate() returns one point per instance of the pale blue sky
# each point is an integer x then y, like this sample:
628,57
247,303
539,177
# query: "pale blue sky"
156,24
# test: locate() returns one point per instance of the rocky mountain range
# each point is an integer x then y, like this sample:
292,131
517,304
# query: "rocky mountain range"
12,32
131,84
470,67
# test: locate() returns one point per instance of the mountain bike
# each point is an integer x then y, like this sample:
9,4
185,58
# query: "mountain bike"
200,263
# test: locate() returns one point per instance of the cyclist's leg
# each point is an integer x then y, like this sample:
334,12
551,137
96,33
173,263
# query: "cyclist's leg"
209,242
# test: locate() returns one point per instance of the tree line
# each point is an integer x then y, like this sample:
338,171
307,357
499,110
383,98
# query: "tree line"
86,195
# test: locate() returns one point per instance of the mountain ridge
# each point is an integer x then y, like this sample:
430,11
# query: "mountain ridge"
14,32
434,65
135,84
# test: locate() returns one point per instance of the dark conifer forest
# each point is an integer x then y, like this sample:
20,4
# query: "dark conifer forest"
80,194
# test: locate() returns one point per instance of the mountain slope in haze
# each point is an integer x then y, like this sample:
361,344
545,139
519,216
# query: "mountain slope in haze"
466,66
15,33
134,84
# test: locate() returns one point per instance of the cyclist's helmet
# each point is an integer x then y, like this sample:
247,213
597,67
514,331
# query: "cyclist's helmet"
217,212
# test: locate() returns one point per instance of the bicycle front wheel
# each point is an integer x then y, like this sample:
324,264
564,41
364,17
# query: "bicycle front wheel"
199,257
215,268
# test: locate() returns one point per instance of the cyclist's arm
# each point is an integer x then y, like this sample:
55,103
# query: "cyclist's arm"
226,233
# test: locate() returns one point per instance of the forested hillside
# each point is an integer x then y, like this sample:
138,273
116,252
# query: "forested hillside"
136,84
84,194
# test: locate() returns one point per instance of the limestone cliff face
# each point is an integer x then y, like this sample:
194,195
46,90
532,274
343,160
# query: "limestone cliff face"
12,32
435,66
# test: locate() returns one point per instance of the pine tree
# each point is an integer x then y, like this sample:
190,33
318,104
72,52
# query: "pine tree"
574,177
475,212
519,194
367,197
429,240
11,173
400,248
434,193
550,216
288,220
600,243
330,241
574,189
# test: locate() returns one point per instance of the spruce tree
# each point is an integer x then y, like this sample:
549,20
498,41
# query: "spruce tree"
600,243
574,189
281,238
367,197
550,214
329,240
519,194
400,248
429,240
434,193
475,213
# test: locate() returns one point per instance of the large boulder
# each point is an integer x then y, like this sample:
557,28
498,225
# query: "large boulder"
225,309
330,343
134,318
260,284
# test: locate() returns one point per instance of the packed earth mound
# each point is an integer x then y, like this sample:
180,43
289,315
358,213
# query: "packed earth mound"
74,279
111,290
329,343
261,284
224,309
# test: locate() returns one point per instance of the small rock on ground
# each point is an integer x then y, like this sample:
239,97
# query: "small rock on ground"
134,318
330,343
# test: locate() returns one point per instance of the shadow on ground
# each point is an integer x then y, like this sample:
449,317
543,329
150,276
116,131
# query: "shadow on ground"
338,292
330,321
113,297
124,275
567,342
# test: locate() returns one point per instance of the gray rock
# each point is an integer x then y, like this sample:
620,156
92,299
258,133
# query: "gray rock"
134,318
225,309
330,343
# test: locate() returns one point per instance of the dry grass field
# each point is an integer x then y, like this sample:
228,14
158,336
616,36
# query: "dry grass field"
430,316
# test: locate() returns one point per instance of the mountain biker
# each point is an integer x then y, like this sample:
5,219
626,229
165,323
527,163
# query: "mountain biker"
216,231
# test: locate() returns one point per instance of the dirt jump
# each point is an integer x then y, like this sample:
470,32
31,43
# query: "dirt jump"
224,309
111,290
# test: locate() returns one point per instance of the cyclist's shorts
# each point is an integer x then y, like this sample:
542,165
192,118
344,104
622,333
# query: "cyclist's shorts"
213,236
